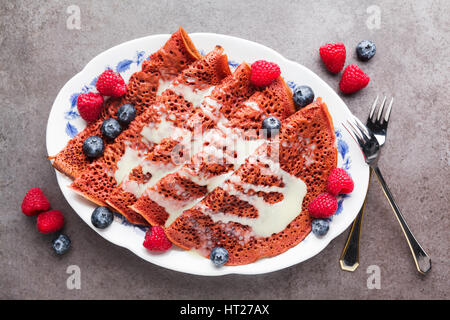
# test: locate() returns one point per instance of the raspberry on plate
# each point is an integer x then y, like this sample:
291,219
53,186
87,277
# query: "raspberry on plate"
156,240
333,56
89,106
324,206
34,202
50,221
353,79
339,182
264,72
111,83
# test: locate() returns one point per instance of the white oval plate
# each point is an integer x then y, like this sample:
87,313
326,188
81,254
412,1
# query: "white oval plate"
64,122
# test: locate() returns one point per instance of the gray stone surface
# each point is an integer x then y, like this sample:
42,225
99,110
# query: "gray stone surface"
39,54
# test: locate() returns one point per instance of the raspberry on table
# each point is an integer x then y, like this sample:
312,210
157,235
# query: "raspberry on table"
50,221
333,56
353,79
34,202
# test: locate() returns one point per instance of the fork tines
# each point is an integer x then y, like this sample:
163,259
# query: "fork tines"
380,111
358,129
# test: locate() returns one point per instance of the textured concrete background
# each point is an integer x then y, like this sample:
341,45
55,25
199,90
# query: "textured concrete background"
39,54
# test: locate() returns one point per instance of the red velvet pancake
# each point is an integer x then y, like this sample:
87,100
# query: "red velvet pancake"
171,108
261,210
176,55
224,99
223,150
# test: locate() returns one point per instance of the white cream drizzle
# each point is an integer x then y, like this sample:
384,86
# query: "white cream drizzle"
163,86
272,218
156,132
157,171
130,159
252,104
216,139
194,96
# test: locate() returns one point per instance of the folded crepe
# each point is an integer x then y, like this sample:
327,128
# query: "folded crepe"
166,117
163,66
164,159
224,149
262,209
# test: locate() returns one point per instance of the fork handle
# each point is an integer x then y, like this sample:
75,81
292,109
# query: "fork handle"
421,258
349,259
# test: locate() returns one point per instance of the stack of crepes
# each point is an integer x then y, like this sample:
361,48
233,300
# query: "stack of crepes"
196,161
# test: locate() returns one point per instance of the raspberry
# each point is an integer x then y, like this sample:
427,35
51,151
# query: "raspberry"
339,182
324,206
111,83
34,202
50,221
333,56
89,106
353,79
156,240
264,73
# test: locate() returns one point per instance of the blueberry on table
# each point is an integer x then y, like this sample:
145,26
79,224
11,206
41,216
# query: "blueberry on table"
271,125
320,227
303,95
93,147
365,50
61,244
219,256
111,128
126,113
102,217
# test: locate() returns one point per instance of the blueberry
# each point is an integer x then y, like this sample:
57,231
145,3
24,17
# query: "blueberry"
219,256
271,125
61,244
93,147
126,114
365,50
303,95
111,128
102,217
320,227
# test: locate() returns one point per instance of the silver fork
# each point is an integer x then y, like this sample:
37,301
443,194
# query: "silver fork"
349,259
371,150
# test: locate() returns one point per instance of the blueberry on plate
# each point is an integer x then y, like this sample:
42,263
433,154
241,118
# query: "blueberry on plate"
111,128
271,125
365,50
93,147
219,256
102,217
61,244
126,113
303,95
320,227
